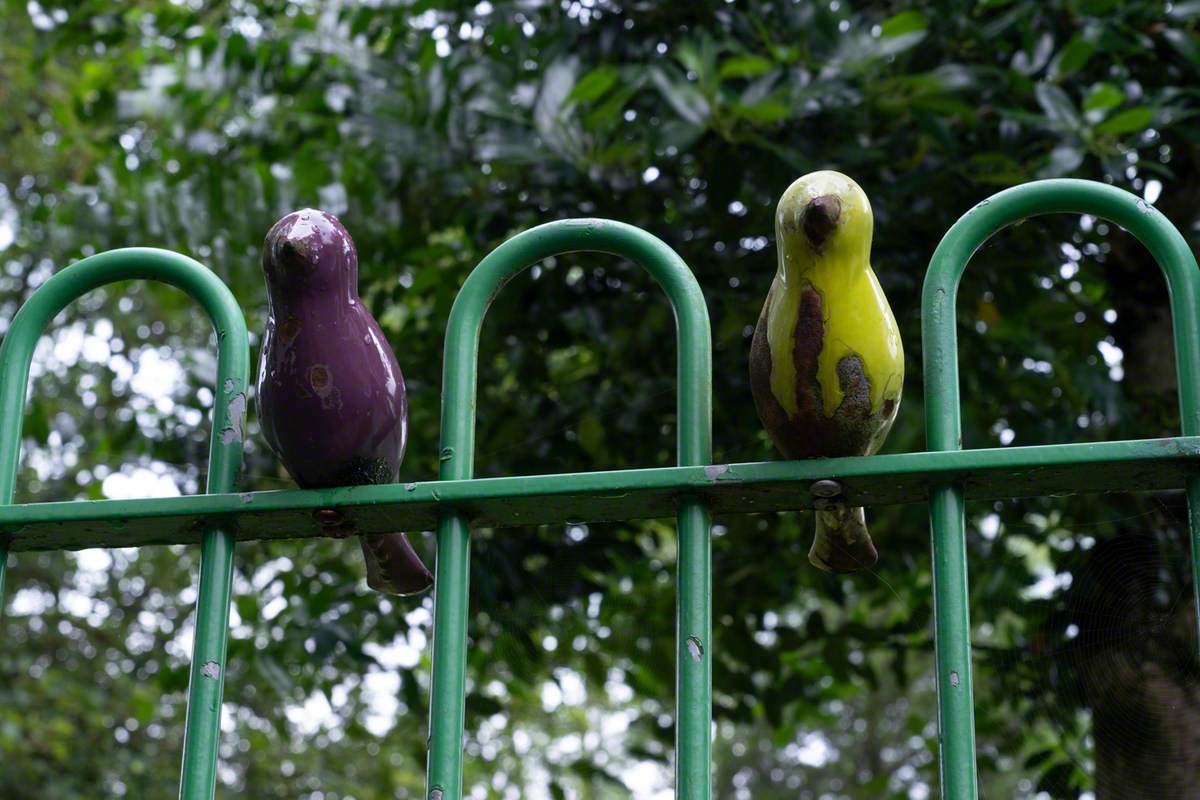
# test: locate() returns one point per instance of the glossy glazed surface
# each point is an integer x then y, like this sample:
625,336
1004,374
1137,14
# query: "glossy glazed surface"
331,396
826,362
857,317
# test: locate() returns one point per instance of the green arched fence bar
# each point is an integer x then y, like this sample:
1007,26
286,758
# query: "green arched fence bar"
944,429
946,476
199,772
693,655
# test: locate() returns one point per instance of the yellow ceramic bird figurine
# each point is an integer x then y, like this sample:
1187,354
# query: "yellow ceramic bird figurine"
826,361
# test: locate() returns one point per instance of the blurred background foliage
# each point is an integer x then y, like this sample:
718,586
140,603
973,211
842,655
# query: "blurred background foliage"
435,131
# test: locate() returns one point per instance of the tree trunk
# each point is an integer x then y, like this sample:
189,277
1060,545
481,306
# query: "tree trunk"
1137,667
1136,654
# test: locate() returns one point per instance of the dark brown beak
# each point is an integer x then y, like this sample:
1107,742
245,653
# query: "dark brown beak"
290,254
821,217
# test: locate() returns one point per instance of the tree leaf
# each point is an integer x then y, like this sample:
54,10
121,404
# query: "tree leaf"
745,66
591,433
1038,758
592,86
684,98
772,110
1072,58
904,23
1057,105
275,675
1029,62
1104,96
1128,121
1189,10
1186,43
1063,160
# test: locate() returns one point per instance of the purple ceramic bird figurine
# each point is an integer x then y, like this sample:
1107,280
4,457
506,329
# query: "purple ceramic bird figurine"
331,397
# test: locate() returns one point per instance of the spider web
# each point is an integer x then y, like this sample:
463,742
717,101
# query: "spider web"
1108,666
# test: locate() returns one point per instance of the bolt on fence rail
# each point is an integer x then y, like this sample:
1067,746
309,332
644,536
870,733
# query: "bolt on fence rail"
944,476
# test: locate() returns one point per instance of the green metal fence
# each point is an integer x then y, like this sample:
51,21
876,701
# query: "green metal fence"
945,477
216,536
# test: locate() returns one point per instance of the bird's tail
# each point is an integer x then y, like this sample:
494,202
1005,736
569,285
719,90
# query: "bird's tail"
393,567
842,543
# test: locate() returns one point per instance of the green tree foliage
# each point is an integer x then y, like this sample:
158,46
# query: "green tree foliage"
435,131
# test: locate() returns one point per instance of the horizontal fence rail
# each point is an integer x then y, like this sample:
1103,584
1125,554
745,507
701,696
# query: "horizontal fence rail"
991,474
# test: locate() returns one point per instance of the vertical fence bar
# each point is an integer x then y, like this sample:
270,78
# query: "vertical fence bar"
944,428
198,773
1193,498
451,593
693,661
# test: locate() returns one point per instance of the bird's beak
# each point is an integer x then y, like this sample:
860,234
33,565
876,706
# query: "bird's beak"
821,217
292,252
290,256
